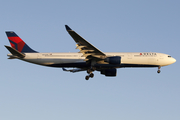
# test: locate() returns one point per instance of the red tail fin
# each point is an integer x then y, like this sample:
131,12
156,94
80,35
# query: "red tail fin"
18,44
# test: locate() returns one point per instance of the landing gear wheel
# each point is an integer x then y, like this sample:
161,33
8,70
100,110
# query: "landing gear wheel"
87,77
159,69
91,75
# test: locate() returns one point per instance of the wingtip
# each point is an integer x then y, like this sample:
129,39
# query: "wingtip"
6,46
64,69
67,28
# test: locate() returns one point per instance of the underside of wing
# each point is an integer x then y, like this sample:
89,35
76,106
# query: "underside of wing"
74,70
89,51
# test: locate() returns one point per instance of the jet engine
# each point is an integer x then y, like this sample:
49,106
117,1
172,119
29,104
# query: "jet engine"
116,60
109,72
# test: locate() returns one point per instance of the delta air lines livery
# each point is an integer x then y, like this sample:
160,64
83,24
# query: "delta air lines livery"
89,58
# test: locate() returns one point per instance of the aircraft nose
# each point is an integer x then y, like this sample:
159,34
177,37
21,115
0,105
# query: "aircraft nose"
173,60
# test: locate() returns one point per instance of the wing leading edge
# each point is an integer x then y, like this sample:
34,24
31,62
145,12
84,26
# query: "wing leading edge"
89,51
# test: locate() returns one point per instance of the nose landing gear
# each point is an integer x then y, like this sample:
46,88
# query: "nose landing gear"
159,69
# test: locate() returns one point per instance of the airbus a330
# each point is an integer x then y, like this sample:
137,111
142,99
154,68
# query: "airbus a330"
89,58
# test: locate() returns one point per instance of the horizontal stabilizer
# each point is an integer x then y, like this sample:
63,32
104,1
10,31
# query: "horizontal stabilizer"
13,57
14,52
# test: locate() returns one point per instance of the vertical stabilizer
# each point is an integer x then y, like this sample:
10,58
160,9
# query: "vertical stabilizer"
17,43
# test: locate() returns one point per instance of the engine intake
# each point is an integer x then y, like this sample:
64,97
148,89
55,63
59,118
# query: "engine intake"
116,60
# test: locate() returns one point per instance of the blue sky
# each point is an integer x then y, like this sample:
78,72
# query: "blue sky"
35,92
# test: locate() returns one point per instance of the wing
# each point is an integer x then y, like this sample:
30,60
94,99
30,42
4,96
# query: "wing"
89,51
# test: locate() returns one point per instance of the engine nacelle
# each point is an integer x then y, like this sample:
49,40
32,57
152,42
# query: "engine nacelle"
109,72
116,60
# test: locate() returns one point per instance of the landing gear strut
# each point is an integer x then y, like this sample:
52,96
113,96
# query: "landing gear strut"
91,75
159,69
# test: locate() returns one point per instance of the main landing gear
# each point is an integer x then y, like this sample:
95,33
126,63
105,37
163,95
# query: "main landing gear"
159,69
88,76
91,75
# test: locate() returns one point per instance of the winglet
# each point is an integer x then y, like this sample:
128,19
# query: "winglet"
68,28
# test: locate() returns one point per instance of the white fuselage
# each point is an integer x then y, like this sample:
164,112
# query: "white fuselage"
139,58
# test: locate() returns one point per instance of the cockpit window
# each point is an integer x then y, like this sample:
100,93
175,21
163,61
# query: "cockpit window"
169,56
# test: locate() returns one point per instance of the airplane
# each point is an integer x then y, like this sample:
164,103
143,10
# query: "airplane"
89,58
